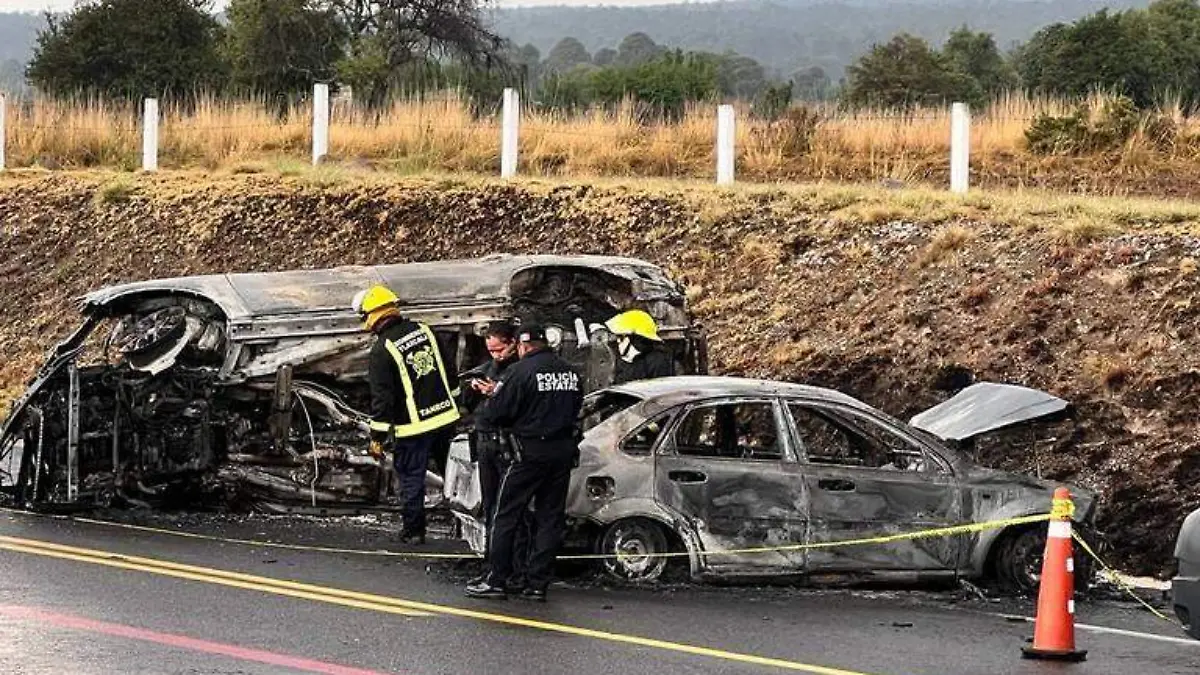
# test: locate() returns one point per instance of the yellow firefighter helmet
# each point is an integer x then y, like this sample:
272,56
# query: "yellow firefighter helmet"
634,322
375,297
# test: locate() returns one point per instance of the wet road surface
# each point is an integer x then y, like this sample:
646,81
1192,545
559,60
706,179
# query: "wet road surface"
85,598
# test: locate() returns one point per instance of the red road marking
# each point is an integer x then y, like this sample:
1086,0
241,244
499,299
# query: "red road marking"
180,641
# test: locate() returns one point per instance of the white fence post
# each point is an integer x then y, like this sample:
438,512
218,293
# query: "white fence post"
725,144
320,131
960,147
510,131
150,135
3,129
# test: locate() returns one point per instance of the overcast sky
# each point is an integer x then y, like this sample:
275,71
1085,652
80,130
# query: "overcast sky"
39,5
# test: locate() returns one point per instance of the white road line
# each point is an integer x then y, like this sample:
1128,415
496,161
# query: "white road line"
1110,631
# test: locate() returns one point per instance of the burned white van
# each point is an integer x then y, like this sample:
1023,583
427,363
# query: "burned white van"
252,387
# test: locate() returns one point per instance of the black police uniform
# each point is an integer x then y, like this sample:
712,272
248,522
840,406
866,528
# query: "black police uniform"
654,361
488,450
538,405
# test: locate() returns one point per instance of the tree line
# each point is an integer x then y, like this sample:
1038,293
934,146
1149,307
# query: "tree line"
273,48
379,48
1149,56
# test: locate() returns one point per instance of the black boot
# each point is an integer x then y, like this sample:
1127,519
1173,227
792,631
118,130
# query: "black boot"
534,594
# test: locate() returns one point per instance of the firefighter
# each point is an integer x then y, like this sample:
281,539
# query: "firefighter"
412,400
487,442
641,353
537,405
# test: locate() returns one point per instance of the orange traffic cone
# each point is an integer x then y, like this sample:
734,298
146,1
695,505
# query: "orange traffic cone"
1054,626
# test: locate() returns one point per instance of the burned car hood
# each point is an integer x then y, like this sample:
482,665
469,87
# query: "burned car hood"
985,407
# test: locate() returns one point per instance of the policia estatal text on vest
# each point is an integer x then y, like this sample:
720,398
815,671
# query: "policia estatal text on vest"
411,397
537,404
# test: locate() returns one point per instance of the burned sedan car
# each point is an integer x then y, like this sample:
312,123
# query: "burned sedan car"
712,466
1185,584
252,387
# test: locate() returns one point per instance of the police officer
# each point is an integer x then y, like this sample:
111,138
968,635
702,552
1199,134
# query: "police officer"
642,355
488,444
537,404
412,400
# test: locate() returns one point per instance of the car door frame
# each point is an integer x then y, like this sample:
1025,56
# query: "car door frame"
784,490
927,555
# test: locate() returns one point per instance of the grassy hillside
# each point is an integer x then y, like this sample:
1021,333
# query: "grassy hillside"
893,296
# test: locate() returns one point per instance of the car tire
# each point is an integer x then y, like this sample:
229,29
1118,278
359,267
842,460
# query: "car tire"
632,546
1018,561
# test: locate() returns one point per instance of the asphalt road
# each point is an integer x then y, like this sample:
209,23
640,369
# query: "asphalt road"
82,597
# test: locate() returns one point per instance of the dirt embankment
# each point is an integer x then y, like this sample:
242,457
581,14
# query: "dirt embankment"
890,309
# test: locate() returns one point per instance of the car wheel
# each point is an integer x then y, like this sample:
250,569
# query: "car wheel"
634,547
1018,561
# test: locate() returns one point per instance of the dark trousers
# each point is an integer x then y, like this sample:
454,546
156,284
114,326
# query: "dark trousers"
411,459
545,481
491,471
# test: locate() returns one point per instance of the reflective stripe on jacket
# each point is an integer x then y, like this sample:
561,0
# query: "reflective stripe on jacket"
410,388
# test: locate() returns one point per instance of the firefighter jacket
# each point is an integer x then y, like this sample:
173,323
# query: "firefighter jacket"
656,362
411,391
538,402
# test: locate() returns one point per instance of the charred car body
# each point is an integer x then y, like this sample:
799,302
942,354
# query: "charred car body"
253,386
709,466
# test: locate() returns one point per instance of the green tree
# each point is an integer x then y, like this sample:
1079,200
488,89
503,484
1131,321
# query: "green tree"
526,62
636,49
976,55
665,85
566,55
740,76
569,92
280,47
388,38
606,56
774,101
813,84
1103,51
129,48
904,73
1174,30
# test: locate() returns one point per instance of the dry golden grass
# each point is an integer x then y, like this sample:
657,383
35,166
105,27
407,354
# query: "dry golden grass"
944,245
439,133
832,209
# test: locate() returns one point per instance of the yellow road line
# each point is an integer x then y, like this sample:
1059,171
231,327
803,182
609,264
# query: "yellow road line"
380,602
245,585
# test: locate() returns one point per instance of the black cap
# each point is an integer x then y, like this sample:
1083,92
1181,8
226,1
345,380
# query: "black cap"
531,332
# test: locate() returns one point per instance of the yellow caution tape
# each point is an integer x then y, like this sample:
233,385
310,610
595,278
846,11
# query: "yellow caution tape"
968,528
1116,579
272,544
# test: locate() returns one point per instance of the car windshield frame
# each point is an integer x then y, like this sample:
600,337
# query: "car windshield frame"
887,423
